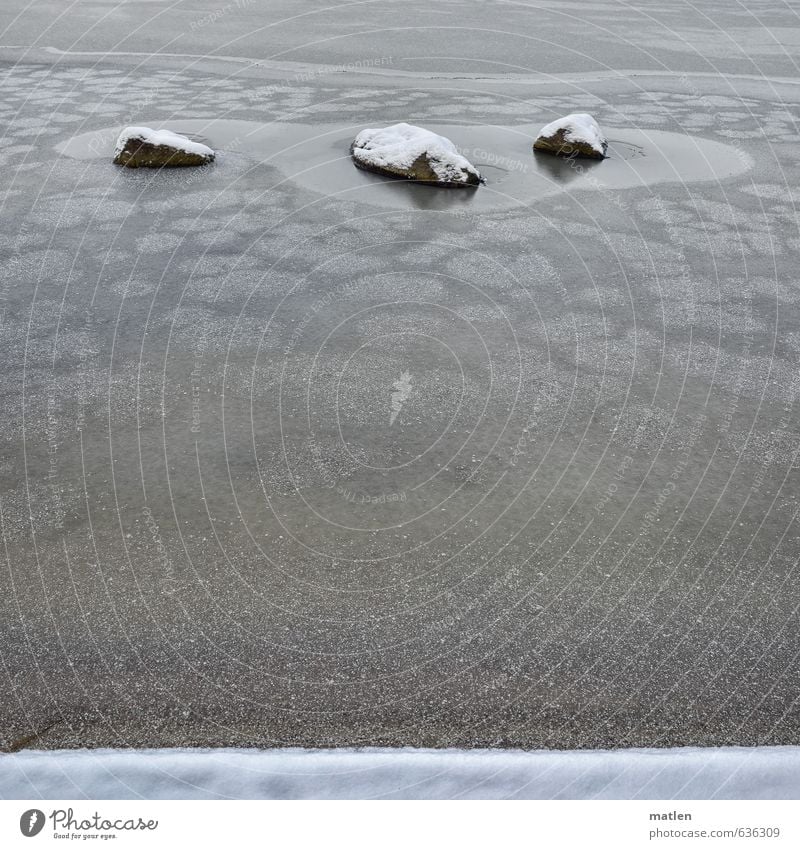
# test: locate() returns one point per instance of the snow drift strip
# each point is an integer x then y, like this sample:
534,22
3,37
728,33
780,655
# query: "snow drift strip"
720,773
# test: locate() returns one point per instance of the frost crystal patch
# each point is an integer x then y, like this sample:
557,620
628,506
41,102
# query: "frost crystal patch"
402,390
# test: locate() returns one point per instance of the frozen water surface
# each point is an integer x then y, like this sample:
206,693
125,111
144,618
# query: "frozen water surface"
293,457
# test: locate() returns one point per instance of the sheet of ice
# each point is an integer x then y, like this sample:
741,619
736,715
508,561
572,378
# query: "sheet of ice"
579,127
721,773
158,137
400,145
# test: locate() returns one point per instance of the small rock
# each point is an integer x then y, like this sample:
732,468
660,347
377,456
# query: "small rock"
141,147
412,153
573,135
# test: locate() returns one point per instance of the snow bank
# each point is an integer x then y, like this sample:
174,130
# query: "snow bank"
402,148
161,137
723,773
579,130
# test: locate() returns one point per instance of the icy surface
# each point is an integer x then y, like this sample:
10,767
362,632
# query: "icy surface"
579,127
159,137
579,530
724,773
399,146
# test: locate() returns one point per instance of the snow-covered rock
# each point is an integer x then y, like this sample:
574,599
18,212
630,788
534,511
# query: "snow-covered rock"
141,147
573,135
412,153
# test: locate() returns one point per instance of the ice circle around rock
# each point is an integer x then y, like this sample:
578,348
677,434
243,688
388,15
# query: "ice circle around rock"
514,176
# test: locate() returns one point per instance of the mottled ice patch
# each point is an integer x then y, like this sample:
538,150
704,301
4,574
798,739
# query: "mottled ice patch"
157,242
773,191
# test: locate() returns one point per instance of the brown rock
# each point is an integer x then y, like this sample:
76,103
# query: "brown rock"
436,161
420,171
137,152
573,135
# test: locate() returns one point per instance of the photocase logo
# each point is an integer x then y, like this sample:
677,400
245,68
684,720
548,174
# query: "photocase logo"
64,820
31,822
402,389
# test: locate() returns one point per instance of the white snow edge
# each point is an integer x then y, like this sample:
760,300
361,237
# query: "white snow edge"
401,144
165,137
579,127
686,773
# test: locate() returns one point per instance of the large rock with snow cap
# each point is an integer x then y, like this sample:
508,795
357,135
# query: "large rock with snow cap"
412,153
141,147
573,135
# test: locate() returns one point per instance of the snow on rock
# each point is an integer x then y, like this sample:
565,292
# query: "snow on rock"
142,147
713,773
573,135
412,153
